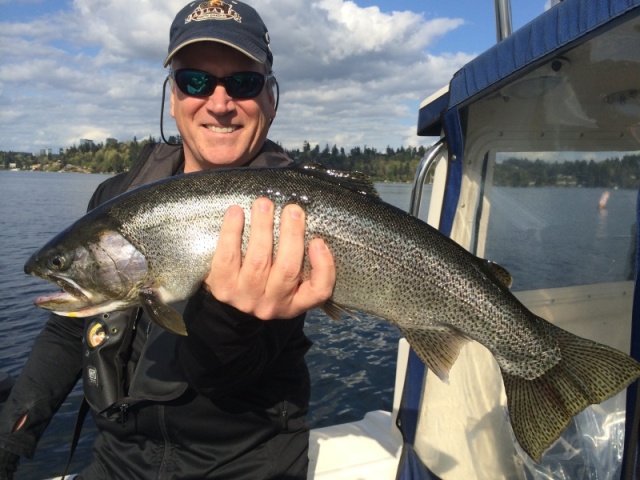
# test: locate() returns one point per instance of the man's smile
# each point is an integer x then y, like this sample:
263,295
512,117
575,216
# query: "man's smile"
215,129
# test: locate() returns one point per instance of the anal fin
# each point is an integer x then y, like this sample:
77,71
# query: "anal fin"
161,313
438,347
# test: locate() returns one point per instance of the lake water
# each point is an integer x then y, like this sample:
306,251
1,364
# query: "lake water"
564,237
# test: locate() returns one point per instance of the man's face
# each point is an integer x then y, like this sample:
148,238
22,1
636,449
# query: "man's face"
219,131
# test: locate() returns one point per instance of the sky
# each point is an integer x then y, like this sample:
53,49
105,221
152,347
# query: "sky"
351,73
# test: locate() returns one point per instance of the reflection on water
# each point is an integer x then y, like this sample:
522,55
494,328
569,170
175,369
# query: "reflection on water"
352,365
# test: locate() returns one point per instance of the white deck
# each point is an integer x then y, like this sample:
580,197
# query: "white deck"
367,450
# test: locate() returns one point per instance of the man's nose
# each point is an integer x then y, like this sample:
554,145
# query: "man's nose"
219,101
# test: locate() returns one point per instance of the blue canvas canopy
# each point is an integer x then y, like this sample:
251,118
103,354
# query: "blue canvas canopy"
555,31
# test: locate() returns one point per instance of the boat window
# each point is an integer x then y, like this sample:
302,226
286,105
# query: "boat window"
556,219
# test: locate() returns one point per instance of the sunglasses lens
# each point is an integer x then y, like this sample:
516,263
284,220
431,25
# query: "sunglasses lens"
195,83
244,85
240,85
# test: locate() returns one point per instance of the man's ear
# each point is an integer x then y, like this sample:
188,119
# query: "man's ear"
273,90
172,93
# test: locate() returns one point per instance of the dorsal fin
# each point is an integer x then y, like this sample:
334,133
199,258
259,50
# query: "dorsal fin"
355,181
500,273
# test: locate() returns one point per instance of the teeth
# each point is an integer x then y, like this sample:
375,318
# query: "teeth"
221,129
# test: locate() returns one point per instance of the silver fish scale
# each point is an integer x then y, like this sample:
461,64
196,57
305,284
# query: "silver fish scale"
177,236
388,263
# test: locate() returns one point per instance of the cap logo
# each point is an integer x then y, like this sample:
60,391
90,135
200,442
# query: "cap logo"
213,10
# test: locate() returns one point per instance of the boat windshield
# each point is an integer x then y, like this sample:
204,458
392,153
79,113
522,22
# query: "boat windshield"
561,218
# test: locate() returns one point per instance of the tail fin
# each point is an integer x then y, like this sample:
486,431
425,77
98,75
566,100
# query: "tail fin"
589,373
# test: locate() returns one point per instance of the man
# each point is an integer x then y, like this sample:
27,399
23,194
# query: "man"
230,399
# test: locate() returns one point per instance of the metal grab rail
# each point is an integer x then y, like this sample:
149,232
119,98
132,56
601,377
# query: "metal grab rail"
426,162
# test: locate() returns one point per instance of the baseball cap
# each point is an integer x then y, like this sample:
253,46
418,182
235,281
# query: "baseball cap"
232,23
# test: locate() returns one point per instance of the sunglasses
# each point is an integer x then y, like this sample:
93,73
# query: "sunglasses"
240,85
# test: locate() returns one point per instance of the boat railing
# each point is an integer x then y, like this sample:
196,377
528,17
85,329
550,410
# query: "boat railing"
426,162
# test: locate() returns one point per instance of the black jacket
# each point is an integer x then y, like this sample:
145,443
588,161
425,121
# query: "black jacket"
227,401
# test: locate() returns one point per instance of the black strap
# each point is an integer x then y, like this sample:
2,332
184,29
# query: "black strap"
630,460
630,464
77,429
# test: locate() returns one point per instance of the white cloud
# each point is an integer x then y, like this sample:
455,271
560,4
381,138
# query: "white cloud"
349,75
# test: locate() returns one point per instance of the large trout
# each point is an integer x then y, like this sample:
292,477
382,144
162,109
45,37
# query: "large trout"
153,246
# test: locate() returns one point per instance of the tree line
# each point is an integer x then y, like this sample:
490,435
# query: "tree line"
391,165
114,157
609,173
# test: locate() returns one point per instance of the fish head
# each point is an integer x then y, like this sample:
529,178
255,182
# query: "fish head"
96,267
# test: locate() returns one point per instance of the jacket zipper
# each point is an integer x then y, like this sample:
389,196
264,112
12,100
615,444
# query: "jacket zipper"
284,414
167,445
123,414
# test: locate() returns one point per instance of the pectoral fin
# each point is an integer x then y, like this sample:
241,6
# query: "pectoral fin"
335,311
161,313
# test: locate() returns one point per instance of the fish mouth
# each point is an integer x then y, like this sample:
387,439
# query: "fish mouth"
70,287
72,296
75,302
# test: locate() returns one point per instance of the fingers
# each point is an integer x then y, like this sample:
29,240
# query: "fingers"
227,258
256,265
317,289
323,269
260,285
288,264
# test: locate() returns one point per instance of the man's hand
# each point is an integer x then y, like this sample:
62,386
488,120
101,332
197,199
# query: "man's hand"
259,285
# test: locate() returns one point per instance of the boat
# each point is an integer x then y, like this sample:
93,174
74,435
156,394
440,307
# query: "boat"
563,87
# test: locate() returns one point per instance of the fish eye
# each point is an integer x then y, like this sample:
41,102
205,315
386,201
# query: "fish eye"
57,262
